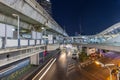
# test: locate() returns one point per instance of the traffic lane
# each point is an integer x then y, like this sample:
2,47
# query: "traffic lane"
58,70
96,71
80,75
92,71
73,70
65,68
44,67
100,72
41,72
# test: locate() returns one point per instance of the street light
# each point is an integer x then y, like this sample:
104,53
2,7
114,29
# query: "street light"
45,42
107,66
16,15
44,30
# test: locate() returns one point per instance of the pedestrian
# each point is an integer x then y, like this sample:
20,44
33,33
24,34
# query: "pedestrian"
7,56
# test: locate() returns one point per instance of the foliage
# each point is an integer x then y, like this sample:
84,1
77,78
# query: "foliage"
17,74
83,56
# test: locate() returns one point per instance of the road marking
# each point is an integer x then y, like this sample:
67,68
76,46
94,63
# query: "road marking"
71,64
71,68
42,69
47,69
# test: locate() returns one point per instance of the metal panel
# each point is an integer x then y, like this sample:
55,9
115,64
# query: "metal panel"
32,42
33,35
0,43
11,43
24,42
2,30
38,42
39,35
10,30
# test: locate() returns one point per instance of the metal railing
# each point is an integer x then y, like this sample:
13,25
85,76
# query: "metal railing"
11,43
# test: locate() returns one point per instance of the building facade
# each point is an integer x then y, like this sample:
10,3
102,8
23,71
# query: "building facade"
46,4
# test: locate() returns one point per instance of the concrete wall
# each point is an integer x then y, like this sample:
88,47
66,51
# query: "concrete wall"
52,47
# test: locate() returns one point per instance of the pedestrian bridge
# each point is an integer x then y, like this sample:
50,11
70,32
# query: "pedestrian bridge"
108,39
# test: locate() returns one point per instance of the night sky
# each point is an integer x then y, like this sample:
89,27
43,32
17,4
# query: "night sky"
92,15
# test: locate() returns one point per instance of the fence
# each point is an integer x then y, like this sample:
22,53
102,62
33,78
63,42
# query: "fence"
24,42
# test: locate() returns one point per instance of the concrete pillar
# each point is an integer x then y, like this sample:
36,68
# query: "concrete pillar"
28,42
40,41
80,48
3,43
88,51
35,41
34,59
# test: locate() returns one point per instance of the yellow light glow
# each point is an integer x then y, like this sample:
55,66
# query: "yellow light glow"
96,62
63,55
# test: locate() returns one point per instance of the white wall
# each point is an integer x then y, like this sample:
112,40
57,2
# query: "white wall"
0,42
11,43
32,42
33,35
39,35
9,29
38,42
24,42
53,47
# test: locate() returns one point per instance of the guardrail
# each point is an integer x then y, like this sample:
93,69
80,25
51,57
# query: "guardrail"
24,42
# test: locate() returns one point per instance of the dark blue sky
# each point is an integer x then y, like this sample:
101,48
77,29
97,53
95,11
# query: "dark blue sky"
93,15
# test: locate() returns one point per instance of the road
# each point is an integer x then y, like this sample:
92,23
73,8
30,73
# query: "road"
66,68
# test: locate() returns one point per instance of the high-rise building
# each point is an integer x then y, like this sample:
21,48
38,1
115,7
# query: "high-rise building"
46,4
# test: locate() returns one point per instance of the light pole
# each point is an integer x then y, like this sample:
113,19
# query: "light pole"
107,66
18,27
43,29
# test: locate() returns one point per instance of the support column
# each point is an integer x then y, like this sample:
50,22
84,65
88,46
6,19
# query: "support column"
3,43
34,59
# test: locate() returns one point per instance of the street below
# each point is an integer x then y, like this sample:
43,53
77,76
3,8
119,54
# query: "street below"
66,68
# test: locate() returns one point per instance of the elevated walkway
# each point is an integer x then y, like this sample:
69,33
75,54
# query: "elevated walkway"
27,49
107,46
30,12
